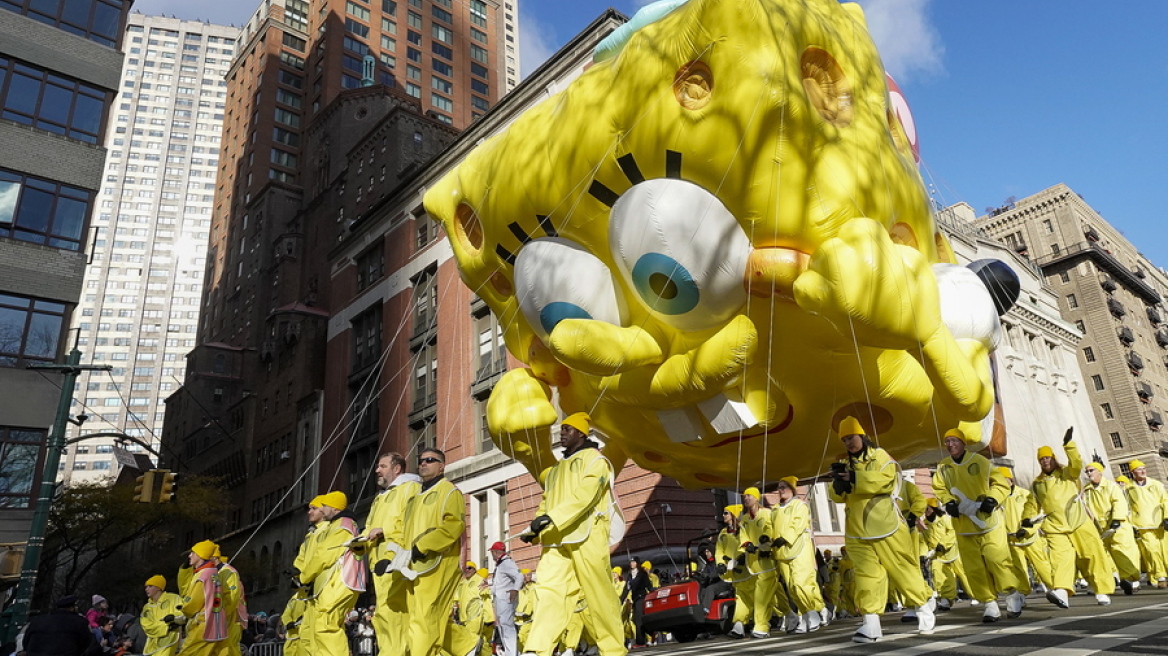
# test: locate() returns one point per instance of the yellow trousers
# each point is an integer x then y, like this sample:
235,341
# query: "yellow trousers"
1151,543
1037,553
430,598
194,644
390,617
799,573
880,560
989,567
460,639
1124,552
944,578
755,600
292,644
1080,548
582,566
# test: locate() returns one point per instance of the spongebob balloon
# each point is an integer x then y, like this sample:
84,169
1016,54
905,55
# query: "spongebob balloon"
716,242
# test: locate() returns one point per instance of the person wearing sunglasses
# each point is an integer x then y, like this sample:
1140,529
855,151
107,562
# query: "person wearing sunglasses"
432,529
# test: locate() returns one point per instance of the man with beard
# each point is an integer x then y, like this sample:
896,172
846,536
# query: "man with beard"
383,531
1109,509
336,574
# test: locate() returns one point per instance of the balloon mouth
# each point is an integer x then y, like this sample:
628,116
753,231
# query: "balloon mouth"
772,270
742,436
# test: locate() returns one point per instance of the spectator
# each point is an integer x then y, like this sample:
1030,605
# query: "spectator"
97,614
62,632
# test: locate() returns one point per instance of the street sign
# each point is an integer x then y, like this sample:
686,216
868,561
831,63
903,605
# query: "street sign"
124,457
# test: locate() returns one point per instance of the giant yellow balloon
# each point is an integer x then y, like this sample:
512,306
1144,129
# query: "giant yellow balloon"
716,242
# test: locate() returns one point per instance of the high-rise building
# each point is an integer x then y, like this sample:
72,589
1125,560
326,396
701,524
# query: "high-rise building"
1114,296
143,287
59,67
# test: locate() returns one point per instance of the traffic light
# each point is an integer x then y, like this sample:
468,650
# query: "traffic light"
169,486
144,488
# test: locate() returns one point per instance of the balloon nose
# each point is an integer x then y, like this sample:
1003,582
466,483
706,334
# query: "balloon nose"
772,271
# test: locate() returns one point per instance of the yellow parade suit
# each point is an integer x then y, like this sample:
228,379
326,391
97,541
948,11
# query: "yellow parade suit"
293,617
876,536
1070,537
941,544
578,498
525,609
1149,507
434,523
331,598
386,513
1109,508
463,634
304,629
206,631
791,522
161,639
981,534
1028,544
759,599
847,587
732,559
911,504
234,607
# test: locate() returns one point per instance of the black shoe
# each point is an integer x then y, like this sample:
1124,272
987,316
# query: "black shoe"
1054,599
1127,587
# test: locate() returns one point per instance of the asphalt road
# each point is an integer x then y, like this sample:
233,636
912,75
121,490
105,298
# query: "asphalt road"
1130,625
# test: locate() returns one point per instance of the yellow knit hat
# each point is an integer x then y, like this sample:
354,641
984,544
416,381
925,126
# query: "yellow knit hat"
850,426
205,549
1122,479
524,571
335,499
959,434
791,481
734,509
316,502
483,572
471,564
1135,464
1095,465
646,565
752,492
158,581
1005,471
1045,452
580,421
618,570
932,502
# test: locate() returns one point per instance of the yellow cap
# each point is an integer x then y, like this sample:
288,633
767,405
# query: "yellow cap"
734,509
1122,479
316,502
932,502
1005,471
1135,464
158,581
471,564
646,565
335,499
850,426
791,481
617,570
1045,452
580,421
1096,466
483,572
524,571
205,549
959,434
752,492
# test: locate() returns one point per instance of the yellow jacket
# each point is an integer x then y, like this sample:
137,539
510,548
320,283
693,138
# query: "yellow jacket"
869,508
294,611
387,513
728,552
324,549
975,479
1057,495
158,633
1106,503
1148,504
940,533
792,522
750,529
434,523
578,497
1013,510
526,604
471,609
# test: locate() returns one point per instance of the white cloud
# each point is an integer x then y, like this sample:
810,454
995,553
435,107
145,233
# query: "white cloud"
909,44
536,42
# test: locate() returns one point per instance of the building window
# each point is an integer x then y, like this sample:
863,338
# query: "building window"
442,15
478,12
423,434
96,20
20,465
1116,441
41,211
36,97
1064,276
1047,226
1088,354
438,84
1106,408
30,329
1082,328
443,34
366,414
1097,381
442,51
294,42
485,443
1072,302
479,53
389,7
441,102
367,338
370,267
354,27
356,10
425,301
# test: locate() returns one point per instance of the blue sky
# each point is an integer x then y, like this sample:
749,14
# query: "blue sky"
1010,97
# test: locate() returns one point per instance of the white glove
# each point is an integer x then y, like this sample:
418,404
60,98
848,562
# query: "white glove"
929,556
968,507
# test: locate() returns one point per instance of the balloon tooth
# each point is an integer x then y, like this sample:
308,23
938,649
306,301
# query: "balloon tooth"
726,416
681,424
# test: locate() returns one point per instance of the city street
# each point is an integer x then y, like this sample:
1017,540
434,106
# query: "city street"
1130,625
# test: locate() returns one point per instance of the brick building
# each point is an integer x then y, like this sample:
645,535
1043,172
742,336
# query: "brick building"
59,67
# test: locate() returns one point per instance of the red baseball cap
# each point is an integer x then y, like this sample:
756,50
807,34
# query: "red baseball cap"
498,546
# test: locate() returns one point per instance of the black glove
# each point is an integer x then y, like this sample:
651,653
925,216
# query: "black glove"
952,509
721,568
841,486
838,468
1165,524
169,619
1067,435
1027,523
527,538
750,547
1114,525
940,550
540,523
416,554
1020,534
988,505
764,538
780,543
296,583
911,520
381,566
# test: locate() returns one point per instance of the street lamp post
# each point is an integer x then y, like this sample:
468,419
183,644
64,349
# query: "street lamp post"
17,614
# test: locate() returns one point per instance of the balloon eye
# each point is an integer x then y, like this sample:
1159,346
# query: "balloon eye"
554,313
664,285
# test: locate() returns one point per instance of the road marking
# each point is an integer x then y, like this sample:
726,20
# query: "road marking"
1106,641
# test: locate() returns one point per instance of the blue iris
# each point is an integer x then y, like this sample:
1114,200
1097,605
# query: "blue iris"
554,313
665,285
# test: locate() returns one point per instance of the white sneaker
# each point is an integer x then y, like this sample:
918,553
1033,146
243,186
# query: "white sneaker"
1103,599
792,623
759,634
566,652
1014,602
1064,599
1040,588
869,630
974,602
909,616
826,616
810,621
1135,585
927,617
992,612
738,631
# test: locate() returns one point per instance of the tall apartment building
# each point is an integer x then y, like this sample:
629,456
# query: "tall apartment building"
143,286
1114,296
59,67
